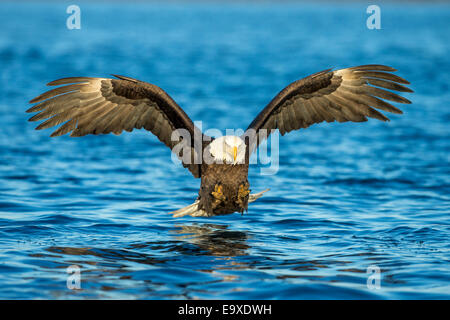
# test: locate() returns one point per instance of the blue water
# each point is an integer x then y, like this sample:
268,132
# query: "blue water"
346,196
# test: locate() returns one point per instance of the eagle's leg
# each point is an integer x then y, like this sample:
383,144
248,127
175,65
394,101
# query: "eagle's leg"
218,195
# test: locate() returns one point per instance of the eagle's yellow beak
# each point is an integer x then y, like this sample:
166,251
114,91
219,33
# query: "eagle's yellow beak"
235,153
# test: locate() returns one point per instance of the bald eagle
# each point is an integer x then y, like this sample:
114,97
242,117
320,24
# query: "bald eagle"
85,105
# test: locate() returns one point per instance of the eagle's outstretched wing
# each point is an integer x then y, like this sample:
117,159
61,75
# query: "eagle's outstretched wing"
350,94
99,105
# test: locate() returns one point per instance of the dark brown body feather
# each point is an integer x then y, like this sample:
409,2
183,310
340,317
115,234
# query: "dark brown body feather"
232,179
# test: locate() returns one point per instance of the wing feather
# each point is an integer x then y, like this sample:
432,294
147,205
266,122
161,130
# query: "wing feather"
351,94
57,91
388,85
380,75
65,128
85,105
286,118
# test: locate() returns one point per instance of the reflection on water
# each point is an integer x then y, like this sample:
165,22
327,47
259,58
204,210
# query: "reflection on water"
213,239
108,256
194,239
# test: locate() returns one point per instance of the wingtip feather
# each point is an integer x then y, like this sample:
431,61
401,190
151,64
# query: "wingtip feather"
69,80
34,100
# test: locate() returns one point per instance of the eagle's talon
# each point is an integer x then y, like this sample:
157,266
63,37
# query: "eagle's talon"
218,188
242,196
218,194
243,191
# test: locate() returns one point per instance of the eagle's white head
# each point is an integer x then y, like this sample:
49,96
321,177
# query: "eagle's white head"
228,149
